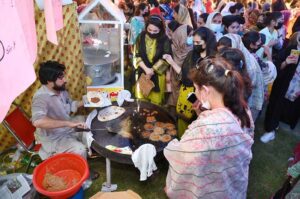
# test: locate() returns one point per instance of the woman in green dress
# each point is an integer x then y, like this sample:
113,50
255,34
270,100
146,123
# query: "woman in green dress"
205,45
149,49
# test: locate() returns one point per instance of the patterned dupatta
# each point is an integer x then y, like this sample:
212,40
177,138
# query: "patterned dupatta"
212,158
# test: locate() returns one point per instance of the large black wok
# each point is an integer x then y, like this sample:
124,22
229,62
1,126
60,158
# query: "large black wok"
133,111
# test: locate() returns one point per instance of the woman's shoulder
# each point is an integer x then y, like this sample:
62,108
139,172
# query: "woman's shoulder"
188,60
215,123
139,38
191,59
215,117
180,29
142,35
164,39
189,56
264,31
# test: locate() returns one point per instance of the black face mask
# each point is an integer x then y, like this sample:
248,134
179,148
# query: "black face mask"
260,25
198,49
153,36
279,25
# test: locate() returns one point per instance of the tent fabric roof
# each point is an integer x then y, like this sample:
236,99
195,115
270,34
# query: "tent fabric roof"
108,5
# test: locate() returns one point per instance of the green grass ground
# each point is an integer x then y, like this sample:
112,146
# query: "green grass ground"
269,164
267,169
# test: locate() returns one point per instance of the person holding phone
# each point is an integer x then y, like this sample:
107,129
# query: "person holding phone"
204,45
284,100
273,22
212,158
253,41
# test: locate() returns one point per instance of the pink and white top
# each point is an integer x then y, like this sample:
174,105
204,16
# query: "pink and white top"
212,158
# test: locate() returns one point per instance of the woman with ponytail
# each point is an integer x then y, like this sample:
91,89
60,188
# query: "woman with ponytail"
236,58
212,158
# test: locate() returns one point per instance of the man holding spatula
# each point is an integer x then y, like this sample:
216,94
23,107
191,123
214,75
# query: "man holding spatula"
51,108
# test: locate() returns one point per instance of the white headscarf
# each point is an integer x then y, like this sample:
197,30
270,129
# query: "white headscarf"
210,18
225,10
209,25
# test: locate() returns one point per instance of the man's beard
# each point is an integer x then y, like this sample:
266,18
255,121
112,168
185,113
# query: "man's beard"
59,88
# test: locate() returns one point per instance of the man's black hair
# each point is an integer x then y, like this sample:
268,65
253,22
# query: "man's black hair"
272,16
230,19
224,41
250,38
50,71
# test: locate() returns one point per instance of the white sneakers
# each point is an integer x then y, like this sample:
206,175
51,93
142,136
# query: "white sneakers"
267,137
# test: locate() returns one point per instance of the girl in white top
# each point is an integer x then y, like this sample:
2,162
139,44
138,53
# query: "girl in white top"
273,21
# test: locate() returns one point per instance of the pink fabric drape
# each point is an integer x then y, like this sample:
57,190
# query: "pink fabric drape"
17,50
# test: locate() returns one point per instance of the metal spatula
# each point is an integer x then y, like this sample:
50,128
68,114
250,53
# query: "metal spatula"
109,129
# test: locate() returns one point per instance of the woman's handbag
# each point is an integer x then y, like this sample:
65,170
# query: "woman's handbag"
160,66
145,85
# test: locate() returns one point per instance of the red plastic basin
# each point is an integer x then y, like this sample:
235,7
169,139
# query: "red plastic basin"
66,165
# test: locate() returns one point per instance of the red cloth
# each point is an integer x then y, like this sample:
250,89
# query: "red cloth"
155,11
208,7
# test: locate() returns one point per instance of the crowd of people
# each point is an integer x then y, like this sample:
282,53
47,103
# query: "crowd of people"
259,39
234,57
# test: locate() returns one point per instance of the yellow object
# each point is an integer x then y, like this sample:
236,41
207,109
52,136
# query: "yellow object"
270,89
68,52
88,80
185,108
160,66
